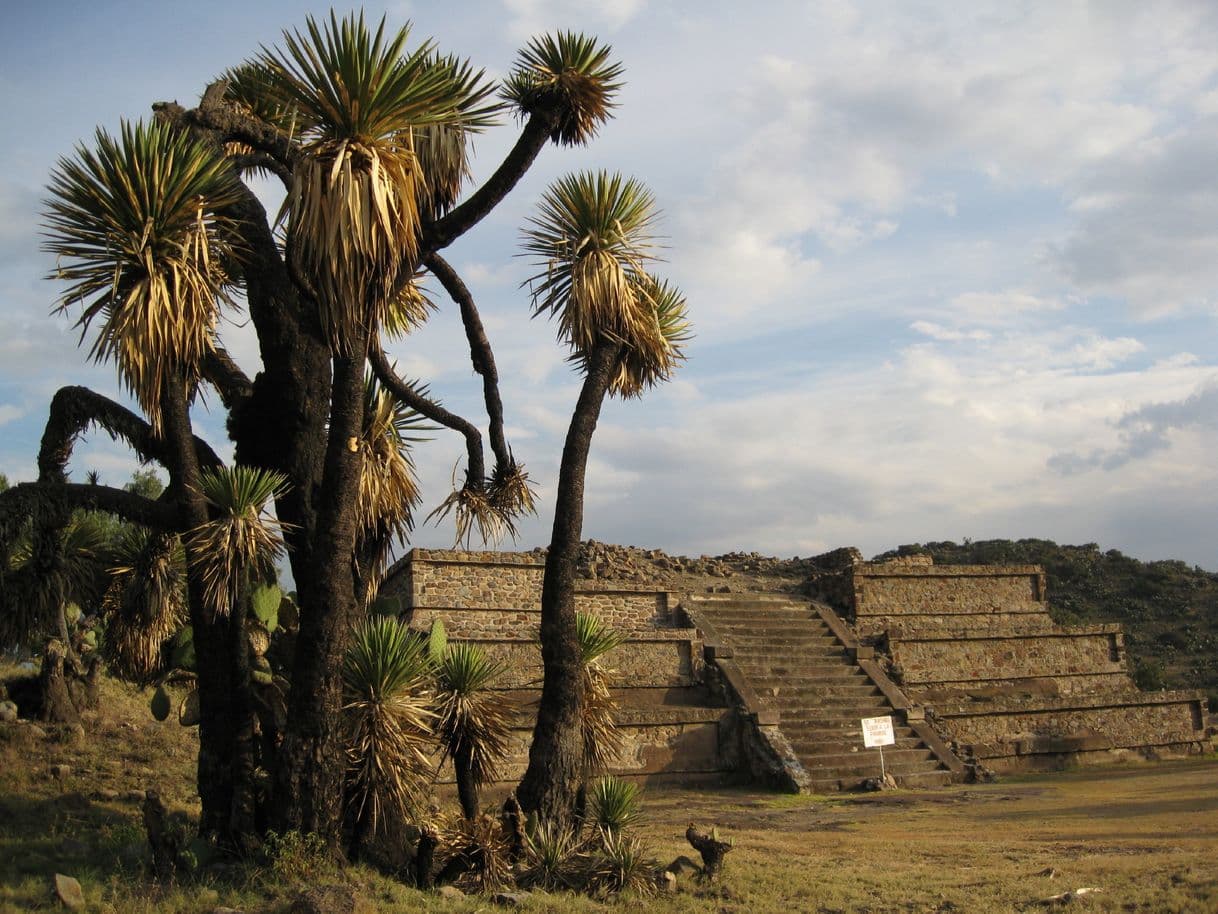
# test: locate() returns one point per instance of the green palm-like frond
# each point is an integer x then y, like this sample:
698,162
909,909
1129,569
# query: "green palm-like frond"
238,547
354,209
570,74
386,718
144,605
472,720
592,236
137,228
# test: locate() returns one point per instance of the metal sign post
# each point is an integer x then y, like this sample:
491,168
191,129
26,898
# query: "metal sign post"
877,733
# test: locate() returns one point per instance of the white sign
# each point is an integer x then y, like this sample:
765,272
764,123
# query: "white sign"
877,731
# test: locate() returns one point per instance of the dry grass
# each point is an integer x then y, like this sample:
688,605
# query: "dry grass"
1146,835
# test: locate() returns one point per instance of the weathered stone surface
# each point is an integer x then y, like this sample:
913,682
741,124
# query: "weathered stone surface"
69,893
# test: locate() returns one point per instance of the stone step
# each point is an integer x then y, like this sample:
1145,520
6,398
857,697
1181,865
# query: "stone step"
817,657
767,631
828,717
894,758
758,671
807,746
814,692
851,733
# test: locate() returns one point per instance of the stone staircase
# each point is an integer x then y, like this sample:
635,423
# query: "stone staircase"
798,667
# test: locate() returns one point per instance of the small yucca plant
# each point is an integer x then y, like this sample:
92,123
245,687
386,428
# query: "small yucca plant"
387,719
554,858
472,719
238,547
601,739
621,864
614,804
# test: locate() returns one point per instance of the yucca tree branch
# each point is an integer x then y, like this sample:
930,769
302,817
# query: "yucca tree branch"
226,376
265,161
480,353
232,123
443,232
475,472
29,499
75,409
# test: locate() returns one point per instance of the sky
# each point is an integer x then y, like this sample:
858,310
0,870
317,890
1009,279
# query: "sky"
953,268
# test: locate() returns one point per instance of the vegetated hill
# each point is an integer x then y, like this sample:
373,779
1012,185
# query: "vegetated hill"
1169,608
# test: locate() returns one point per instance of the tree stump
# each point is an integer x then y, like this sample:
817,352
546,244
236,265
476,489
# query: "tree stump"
711,848
161,837
513,827
57,704
425,857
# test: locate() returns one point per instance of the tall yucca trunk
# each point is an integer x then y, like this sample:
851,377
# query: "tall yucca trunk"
311,762
556,756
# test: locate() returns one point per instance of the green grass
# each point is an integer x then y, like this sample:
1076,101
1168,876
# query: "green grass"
1147,835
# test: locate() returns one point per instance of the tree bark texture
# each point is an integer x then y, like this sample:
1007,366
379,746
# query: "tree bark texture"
555,770
312,762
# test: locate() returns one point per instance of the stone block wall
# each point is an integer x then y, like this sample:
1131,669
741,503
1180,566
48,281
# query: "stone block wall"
1058,653
470,580
669,730
1006,738
659,661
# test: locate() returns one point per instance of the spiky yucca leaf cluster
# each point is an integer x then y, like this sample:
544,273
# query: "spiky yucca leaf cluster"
138,230
511,494
387,718
388,489
354,207
472,719
621,863
602,740
442,149
554,857
571,75
144,605
614,803
593,238
238,547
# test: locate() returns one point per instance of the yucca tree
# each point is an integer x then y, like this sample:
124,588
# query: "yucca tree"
625,331
46,569
155,227
231,553
387,723
472,719
138,230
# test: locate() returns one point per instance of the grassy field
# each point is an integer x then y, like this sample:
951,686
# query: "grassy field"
1146,836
